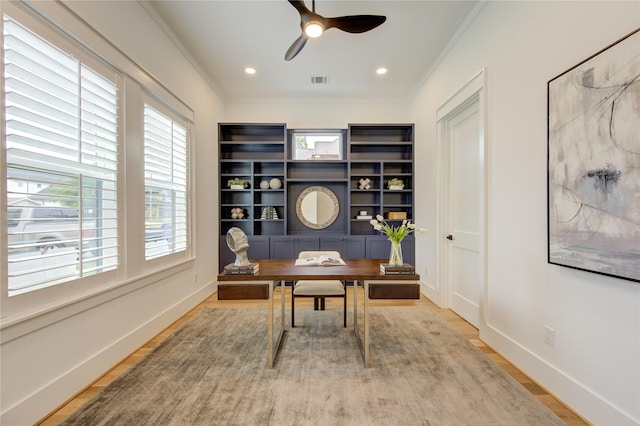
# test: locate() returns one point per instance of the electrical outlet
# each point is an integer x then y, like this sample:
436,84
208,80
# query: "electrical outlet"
549,336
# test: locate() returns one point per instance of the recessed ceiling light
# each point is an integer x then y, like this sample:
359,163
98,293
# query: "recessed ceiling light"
381,71
250,70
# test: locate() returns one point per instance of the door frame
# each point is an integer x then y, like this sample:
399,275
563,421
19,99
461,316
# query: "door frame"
469,92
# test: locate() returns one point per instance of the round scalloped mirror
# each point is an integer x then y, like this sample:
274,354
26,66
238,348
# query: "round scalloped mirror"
317,207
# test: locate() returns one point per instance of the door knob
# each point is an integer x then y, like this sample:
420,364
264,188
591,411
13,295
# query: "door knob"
449,237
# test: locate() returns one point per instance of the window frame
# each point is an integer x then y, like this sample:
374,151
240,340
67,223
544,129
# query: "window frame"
27,312
165,109
70,104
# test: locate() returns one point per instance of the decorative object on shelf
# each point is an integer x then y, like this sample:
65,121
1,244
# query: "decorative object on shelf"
396,215
317,207
594,163
237,213
264,184
395,184
395,234
269,213
237,183
365,183
364,215
275,183
238,243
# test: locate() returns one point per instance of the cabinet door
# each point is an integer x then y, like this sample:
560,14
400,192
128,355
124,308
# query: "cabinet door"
354,247
258,249
378,247
281,248
332,244
289,247
349,247
306,244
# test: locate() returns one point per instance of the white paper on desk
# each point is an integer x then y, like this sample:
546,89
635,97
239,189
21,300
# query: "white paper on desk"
320,261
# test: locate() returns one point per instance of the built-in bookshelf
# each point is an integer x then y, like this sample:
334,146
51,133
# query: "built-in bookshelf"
254,153
260,154
377,154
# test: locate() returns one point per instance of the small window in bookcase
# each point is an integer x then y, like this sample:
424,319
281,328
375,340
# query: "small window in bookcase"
314,145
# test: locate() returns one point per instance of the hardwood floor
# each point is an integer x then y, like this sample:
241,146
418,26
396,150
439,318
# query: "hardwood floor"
466,329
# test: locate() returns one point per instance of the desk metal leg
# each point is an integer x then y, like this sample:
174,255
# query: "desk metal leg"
367,359
355,306
272,350
363,341
282,298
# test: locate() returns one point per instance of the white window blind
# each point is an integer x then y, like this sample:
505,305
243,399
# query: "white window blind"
61,125
165,174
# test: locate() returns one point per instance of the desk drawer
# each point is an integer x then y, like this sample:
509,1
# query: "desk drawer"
243,291
394,291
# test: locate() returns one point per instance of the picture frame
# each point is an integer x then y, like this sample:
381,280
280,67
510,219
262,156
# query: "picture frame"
593,163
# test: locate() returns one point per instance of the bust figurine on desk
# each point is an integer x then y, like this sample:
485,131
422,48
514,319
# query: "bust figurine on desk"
239,244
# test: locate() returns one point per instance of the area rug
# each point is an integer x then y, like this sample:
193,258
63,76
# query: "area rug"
213,371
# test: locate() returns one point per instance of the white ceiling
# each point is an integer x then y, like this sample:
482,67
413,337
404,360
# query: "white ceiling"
222,37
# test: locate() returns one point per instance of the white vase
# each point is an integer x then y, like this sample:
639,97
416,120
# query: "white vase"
237,186
275,183
264,184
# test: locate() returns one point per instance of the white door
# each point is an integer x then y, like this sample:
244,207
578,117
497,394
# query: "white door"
463,217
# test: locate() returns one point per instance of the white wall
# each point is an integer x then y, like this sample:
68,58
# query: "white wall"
315,113
595,364
68,348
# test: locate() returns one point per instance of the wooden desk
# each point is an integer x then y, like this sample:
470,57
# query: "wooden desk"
363,272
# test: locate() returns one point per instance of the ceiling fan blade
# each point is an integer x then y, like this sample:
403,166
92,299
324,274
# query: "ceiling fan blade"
300,6
355,23
296,47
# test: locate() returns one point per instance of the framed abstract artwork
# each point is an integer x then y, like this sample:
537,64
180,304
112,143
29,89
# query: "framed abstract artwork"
593,135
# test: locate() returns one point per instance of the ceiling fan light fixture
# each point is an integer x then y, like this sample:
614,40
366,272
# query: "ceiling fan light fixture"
313,29
313,25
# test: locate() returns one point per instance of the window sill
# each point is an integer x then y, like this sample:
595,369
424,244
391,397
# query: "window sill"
18,325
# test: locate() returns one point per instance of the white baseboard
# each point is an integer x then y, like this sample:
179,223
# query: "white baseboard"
584,401
431,292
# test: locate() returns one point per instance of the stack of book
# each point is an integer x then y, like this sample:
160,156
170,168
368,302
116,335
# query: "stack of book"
404,269
249,269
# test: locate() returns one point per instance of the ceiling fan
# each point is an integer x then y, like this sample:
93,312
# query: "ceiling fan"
313,25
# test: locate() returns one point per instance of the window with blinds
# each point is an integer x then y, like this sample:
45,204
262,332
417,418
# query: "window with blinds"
165,177
61,127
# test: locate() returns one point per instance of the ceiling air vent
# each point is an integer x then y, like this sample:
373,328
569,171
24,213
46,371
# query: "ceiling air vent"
320,79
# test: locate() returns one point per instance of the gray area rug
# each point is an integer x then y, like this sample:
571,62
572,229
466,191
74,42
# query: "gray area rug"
213,371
